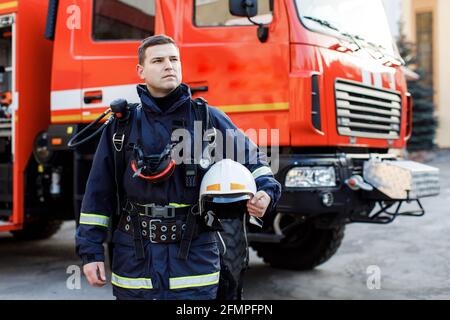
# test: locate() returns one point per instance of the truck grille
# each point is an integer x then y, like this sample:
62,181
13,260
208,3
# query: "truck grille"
364,111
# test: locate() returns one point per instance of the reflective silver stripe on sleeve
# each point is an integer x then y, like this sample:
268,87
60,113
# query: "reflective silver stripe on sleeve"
262,171
131,283
94,219
194,281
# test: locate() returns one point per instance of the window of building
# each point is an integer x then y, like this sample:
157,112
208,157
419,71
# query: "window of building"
424,36
123,19
215,13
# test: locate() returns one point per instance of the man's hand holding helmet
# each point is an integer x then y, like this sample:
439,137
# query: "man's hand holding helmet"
258,204
228,182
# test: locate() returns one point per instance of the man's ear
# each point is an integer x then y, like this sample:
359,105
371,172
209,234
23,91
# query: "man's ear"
140,71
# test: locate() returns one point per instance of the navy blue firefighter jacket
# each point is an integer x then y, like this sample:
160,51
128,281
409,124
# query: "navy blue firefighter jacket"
99,202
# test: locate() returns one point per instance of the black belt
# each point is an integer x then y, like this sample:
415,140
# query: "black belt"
155,211
156,230
161,224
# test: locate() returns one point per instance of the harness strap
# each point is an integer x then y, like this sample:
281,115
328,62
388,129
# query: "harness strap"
192,227
137,236
202,113
120,138
139,125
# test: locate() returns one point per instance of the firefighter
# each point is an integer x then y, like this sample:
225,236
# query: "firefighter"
162,249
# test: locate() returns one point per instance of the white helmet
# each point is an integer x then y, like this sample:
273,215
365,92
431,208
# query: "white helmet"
226,187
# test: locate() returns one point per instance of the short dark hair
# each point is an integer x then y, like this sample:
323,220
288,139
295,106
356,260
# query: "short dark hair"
153,41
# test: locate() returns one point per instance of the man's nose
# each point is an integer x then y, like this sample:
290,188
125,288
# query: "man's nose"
168,64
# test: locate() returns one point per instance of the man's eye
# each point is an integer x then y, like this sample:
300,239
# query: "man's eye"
174,59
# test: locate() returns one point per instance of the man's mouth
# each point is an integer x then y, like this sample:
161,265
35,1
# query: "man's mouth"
169,76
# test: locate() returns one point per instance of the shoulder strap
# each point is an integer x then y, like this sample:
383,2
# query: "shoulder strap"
120,139
123,129
209,139
202,113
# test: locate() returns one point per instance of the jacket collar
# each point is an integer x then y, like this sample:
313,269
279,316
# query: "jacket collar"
149,104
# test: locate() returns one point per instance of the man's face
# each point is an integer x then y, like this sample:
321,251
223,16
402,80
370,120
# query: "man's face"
161,70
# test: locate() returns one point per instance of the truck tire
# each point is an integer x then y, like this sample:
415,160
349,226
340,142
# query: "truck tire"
234,260
304,249
39,230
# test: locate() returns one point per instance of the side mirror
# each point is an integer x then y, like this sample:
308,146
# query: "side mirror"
249,9
243,8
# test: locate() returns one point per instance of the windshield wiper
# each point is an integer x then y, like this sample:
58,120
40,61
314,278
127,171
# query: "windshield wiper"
355,39
397,59
383,54
372,45
327,24
324,23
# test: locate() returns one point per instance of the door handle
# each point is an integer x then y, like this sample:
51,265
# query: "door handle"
93,97
194,90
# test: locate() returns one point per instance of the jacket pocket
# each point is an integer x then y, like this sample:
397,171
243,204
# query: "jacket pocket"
128,271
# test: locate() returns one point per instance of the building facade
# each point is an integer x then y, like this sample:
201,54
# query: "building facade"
425,23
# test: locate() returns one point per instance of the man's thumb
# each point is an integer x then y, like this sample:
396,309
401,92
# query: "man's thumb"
101,269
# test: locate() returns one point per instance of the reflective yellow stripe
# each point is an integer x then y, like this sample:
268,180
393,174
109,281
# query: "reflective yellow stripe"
237,186
255,107
171,204
131,283
178,205
8,5
65,118
262,171
92,116
194,281
94,219
213,187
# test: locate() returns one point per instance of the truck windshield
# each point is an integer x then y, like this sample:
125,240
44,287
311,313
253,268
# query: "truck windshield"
363,20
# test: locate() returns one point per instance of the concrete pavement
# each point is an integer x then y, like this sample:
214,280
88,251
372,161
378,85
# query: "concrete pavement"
412,256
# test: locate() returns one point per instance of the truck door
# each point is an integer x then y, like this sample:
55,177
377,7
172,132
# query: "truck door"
110,50
226,63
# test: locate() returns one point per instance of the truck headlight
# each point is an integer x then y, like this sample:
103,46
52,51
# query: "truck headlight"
310,177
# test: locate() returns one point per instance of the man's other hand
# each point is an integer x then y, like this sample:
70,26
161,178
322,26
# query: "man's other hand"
257,205
95,273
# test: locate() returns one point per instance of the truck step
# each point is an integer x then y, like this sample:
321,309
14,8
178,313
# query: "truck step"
264,237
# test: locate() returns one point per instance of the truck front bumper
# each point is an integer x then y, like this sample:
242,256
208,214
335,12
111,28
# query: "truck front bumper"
341,200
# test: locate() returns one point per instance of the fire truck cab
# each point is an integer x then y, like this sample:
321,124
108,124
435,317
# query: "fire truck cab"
321,82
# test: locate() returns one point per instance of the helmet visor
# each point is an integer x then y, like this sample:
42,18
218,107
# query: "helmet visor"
228,198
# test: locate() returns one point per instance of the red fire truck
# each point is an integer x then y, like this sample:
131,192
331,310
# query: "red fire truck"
326,74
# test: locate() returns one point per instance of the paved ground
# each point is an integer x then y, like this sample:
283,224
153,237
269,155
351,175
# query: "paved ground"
412,256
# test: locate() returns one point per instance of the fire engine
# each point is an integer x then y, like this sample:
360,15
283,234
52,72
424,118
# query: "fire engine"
326,74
